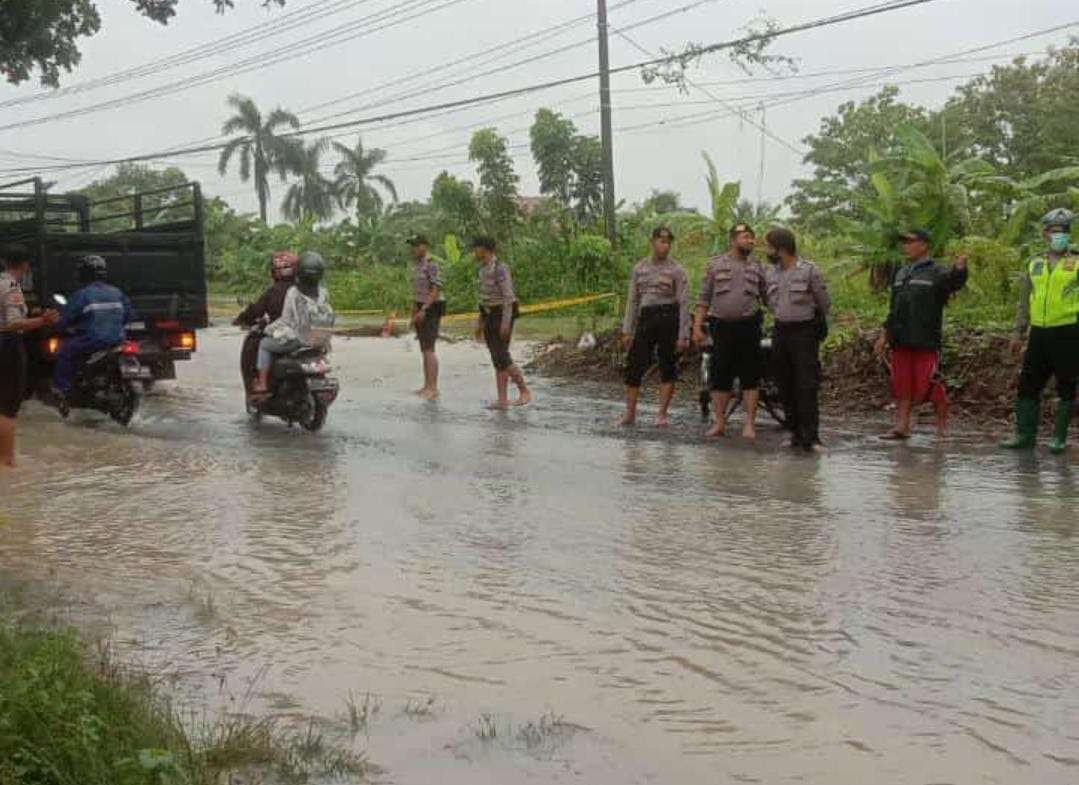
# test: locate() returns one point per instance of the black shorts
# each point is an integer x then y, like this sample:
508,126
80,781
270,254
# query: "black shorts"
736,354
492,333
12,375
656,337
427,331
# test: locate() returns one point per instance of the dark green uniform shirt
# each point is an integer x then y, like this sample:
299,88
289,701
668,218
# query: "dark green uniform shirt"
919,293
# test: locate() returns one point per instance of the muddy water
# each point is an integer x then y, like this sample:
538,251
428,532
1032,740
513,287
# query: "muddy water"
695,613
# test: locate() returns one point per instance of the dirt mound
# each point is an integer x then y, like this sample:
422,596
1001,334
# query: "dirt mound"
977,367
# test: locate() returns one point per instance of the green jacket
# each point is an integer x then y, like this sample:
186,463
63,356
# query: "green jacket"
918,296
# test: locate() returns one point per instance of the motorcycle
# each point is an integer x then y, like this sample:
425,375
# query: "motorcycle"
110,381
300,390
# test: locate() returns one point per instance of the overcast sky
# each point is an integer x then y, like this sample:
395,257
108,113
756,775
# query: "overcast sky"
647,156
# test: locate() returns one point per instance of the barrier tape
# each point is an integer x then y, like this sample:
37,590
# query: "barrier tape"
526,310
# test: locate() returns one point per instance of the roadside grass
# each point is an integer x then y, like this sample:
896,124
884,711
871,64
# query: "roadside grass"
71,714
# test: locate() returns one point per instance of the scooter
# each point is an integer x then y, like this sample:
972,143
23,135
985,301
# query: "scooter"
301,389
110,381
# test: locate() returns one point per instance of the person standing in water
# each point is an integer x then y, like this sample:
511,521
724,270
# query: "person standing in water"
498,311
734,292
427,310
656,324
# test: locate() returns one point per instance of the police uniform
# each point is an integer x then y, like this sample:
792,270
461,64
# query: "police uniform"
657,316
799,299
498,310
1049,307
12,350
734,290
425,278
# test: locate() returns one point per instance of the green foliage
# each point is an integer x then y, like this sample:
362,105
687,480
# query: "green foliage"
259,146
498,181
126,181
41,34
356,180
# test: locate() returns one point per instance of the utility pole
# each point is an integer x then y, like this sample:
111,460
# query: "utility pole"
605,122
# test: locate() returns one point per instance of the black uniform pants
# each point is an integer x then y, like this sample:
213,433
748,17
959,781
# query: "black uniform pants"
656,336
795,354
498,346
1051,352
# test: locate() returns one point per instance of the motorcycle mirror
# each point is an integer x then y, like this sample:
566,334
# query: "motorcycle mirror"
59,299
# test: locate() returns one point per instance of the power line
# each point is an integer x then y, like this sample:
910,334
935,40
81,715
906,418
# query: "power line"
393,16
290,21
478,100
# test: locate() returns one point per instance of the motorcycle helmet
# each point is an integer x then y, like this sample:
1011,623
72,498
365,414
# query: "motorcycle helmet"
309,269
1060,219
283,266
92,268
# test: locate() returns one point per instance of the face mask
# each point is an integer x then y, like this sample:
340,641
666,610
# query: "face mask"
1060,241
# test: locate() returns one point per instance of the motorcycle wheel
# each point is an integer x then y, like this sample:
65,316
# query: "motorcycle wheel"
314,415
125,410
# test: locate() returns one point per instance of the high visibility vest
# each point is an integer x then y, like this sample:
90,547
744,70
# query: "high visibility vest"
1054,294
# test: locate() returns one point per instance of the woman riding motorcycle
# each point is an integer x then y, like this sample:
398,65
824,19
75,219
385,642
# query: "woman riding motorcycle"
306,319
268,306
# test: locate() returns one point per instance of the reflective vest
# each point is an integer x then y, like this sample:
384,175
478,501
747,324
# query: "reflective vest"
1054,294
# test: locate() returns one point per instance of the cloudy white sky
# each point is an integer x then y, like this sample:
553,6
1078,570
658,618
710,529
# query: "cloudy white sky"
348,47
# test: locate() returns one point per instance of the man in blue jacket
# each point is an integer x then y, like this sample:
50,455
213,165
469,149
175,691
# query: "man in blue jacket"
94,319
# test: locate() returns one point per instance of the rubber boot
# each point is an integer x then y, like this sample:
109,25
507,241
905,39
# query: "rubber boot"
1065,411
1027,413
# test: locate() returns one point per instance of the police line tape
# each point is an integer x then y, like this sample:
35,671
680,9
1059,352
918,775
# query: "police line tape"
527,310
552,305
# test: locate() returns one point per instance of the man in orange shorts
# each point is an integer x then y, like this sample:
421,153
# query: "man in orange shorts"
920,290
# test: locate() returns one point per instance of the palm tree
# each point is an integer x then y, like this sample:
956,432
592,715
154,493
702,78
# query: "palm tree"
260,147
313,195
355,178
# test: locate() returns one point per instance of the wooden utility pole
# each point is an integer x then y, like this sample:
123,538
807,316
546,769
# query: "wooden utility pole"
605,122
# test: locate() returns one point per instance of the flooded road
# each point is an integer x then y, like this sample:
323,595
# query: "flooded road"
694,613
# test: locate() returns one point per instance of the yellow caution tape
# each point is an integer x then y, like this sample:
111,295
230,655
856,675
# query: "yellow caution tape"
553,305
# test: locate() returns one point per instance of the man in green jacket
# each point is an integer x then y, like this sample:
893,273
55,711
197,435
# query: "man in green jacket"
1049,310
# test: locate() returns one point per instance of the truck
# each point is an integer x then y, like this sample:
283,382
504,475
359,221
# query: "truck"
153,244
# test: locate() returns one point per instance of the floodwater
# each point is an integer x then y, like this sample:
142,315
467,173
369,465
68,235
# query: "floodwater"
692,612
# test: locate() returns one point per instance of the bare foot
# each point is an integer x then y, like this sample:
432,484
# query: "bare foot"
625,421
717,430
663,421
749,432
524,398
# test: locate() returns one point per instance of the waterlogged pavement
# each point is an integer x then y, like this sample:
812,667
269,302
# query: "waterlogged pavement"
533,597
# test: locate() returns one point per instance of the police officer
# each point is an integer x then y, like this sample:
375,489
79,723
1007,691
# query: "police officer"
733,293
428,307
1049,310
656,323
13,323
498,311
799,299
95,316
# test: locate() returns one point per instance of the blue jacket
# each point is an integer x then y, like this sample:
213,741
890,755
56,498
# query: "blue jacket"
99,312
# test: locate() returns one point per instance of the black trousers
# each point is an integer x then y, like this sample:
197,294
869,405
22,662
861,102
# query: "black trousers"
1051,352
498,346
656,336
796,358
